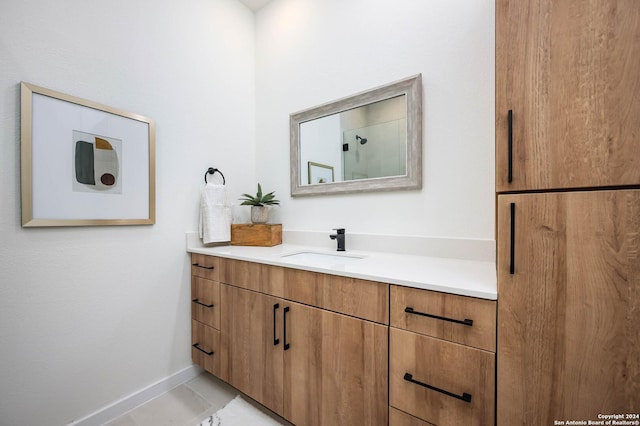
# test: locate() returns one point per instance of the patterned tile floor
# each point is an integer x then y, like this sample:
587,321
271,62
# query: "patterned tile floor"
185,405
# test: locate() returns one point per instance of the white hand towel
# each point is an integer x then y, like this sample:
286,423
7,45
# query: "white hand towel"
215,214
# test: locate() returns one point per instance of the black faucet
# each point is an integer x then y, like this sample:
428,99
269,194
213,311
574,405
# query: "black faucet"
339,236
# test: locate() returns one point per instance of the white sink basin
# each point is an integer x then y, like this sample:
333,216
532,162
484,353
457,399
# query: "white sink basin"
321,259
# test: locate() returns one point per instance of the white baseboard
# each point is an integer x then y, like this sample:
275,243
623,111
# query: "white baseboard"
130,402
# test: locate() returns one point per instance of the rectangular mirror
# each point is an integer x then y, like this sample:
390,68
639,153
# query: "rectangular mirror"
371,141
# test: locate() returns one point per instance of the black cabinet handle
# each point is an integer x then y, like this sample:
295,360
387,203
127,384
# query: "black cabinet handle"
197,346
510,146
202,304
465,321
286,345
197,265
512,243
276,341
464,397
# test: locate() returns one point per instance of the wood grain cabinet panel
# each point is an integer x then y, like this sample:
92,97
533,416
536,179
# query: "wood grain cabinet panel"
205,301
441,382
568,71
459,319
569,299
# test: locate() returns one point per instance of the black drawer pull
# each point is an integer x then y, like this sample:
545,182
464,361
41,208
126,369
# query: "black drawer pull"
510,146
512,244
202,304
197,346
286,345
276,341
465,321
464,397
197,265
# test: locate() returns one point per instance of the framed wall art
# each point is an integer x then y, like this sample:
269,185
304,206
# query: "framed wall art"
83,163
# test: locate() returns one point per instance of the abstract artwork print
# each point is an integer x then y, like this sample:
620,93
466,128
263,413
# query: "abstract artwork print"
96,163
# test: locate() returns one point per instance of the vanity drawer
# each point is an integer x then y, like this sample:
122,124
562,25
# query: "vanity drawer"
205,301
441,382
205,266
205,347
461,319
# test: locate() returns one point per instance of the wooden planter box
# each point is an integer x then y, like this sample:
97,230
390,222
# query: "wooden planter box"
254,234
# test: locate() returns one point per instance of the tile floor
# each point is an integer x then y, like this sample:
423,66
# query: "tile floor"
185,405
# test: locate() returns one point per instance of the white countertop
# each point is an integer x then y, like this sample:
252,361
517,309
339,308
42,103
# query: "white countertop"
464,277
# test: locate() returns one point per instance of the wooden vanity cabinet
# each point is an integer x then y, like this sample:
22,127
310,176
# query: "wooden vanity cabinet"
304,344
319,349
568,262
568,72
442,358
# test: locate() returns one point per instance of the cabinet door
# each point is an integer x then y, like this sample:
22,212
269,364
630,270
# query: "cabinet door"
568,333
335,369
569,72
252,323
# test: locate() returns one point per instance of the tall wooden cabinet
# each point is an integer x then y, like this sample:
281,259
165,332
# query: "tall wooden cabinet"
568,184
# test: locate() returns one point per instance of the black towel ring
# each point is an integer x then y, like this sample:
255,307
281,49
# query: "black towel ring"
211,171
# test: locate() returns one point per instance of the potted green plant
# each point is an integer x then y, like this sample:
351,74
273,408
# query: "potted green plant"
259,203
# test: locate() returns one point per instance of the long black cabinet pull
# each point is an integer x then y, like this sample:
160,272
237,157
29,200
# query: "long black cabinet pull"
276,341
197,346
286,345
197,265
465,321
202,304
512,243
510,147
464,397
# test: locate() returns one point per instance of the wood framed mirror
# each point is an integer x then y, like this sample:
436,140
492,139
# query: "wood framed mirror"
371,141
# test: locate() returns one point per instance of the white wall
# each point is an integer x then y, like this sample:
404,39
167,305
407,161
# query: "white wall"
314,51
91,315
